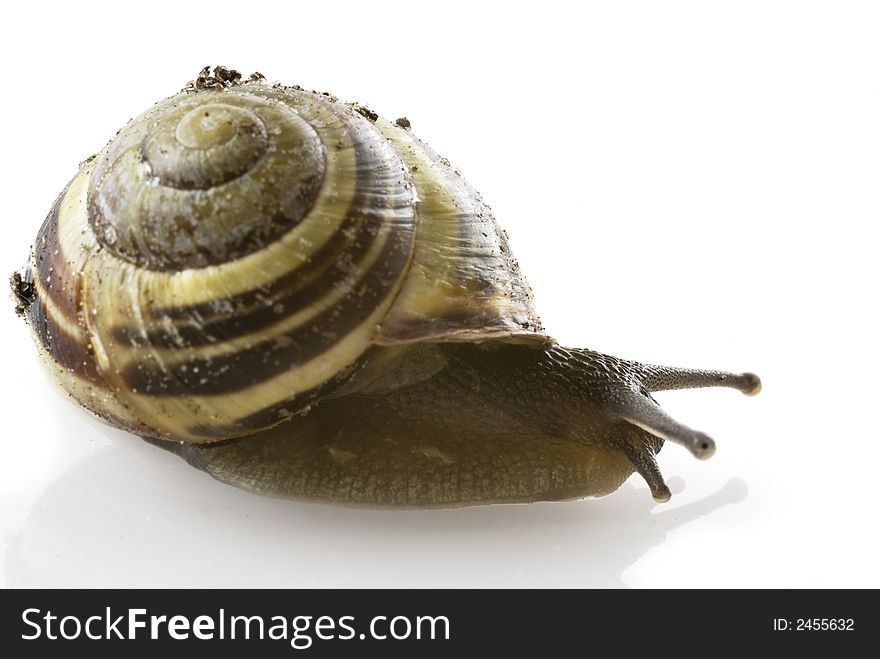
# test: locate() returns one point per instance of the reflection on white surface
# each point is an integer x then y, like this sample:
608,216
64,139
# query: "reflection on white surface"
129,514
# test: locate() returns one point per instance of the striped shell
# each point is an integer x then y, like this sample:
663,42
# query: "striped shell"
233,253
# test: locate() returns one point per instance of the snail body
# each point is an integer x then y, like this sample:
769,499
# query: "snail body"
304,300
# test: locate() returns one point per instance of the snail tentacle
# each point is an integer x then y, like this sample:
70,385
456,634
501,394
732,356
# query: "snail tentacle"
665,378
650,417
644,462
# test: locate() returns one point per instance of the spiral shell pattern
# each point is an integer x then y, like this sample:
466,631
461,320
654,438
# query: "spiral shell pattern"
261,161
230,256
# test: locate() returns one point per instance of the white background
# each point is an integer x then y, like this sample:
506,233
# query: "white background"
684,182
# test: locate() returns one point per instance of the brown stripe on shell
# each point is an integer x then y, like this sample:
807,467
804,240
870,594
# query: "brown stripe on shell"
68,352
221,320
206,376
210,312
60,289
273,414
255,310
266,359
53,269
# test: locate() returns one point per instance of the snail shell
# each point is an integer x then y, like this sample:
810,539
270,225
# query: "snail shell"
244,252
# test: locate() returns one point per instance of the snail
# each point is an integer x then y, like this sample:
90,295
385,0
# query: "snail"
304,300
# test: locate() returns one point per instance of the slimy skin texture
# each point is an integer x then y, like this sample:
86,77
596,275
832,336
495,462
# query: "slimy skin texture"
460,424
305,300
494,424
